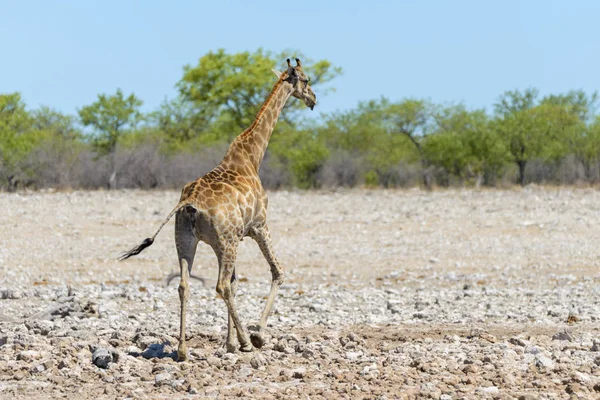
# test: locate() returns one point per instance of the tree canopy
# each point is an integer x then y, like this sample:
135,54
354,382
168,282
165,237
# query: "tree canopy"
524,137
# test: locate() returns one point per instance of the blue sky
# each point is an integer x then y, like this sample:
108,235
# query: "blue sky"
63,53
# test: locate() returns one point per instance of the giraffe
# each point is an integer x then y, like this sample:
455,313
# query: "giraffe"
228,204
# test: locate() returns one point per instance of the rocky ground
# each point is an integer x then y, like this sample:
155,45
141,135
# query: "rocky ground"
389,294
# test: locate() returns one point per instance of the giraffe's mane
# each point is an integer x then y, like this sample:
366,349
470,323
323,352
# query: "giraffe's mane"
264,106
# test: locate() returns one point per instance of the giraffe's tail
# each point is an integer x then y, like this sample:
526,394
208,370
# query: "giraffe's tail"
148,241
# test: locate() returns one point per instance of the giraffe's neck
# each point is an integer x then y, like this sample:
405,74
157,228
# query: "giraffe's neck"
251,144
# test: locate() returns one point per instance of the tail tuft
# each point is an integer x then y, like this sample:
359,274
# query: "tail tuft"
137,250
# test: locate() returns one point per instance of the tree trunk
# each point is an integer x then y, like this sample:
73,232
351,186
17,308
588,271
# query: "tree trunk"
112,181
522,164
425,172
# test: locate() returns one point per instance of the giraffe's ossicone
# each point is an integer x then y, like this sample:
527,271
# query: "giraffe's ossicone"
229,203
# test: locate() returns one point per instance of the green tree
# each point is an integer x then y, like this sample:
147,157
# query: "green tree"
59,124
464,145
110,117
363,133
576,103
514,125
587,147
225,91
178,120
53,162
531,130
17,138
413,119
582,140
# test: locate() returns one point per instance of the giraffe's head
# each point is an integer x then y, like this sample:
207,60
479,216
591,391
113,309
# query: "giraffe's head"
301,83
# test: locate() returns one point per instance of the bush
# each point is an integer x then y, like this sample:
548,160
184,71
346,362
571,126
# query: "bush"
341,169
274,173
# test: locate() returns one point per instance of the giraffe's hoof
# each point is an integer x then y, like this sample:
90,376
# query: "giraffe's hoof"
230,347
182,354
257,340
246,348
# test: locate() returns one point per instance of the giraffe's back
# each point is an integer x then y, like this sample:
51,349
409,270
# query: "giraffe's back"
231,201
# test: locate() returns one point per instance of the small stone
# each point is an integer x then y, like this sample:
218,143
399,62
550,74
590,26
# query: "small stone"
133,351
110,390
517,341
288,373
19,375
176,384
163,378
213,361
102,357
353,337
350,345
11,294
544,362
308,353
445,397
280,345
572,388
229,359
39,368
491,390
470,369
353,355
245,371
28,355
528,396
572,318
563,335
580,377
41,327
299,372
258,361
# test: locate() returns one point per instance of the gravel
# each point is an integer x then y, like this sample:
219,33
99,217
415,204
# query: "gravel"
388,294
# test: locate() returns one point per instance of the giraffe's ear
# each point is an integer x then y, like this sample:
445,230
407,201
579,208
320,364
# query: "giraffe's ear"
277,73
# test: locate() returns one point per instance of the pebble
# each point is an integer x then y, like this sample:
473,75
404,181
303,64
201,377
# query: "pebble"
299,373
418,310
563,335
491,390
163,378
102,357
544,362
258,361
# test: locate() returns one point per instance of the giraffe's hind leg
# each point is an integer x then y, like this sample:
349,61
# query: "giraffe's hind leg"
231,343
263,238
226,254
186,243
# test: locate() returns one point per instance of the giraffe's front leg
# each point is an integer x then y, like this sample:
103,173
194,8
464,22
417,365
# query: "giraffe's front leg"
263,238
